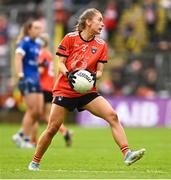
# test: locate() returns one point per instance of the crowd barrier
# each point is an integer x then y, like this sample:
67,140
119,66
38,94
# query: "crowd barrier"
133,112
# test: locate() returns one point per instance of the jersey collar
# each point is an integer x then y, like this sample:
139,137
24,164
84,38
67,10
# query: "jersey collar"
84,39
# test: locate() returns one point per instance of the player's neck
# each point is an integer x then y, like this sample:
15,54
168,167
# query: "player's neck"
32,37
87,36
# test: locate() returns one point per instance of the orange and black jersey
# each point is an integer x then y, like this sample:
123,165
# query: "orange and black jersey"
80,54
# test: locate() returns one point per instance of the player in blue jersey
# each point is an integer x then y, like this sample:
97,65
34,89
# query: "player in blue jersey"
26,63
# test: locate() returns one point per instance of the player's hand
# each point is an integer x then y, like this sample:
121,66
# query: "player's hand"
94,78
20,75
70,76
93,74
45,63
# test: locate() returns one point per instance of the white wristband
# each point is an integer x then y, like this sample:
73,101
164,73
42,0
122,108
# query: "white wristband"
20,74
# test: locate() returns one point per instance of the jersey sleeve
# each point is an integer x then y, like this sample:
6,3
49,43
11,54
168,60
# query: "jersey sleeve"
104,55
64,47
22,48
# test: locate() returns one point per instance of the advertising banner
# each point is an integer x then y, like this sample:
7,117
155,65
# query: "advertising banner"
133,112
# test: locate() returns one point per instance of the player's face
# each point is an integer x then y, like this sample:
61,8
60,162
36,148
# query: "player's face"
97,24
35,30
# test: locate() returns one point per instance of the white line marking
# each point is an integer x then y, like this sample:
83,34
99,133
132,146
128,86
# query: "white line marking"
98,171
80,171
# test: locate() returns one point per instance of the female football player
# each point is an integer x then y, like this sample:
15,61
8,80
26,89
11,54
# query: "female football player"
46,70
26,62
82,49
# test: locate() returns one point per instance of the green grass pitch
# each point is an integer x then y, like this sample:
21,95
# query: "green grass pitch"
93,155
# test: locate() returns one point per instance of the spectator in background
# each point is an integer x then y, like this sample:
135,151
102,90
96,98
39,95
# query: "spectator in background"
3,40
131,35
148,86
62,12
111,18
4,60
106,87
3,30
150,16
166,5
132,77
82,2
117,80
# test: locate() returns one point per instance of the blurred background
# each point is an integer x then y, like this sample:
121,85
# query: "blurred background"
137,77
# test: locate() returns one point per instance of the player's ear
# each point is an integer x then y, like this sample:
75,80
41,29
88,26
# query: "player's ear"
88,22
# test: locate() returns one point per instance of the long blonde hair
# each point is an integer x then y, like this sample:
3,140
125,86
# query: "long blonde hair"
24,30
87,14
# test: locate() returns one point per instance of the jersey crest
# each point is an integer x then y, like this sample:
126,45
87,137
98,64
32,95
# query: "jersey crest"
93,49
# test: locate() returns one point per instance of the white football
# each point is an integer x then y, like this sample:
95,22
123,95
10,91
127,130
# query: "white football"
83,82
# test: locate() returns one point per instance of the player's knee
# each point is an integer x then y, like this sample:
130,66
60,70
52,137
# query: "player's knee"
36,113
52,130
40,113
33,112
112,118
53,127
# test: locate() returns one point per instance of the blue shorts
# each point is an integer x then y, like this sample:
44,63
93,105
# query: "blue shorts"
27,86
75,103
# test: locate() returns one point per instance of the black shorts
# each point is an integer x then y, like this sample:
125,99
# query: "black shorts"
75,103
47,95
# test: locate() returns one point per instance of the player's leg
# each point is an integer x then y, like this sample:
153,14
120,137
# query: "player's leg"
101,108
34,102
96,107
63,130
67,134
47,110
34,133
56,118
34,109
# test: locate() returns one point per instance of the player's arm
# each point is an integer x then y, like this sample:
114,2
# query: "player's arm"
62,68
61,65
19,65
99,72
